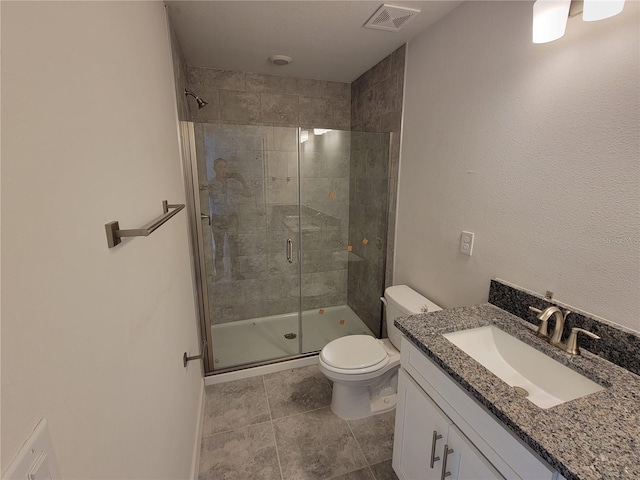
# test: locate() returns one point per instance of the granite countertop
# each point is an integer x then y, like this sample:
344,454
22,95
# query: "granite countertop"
593,437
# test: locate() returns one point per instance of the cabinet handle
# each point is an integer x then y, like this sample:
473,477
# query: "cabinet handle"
447,451
433,448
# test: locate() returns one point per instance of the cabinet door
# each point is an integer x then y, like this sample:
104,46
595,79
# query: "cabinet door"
465,462
417,418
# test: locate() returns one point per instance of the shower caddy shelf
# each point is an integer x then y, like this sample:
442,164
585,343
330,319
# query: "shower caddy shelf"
114,234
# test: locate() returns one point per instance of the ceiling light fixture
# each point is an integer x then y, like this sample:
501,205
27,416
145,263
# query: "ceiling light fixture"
549,19
550,16
600,9
280,60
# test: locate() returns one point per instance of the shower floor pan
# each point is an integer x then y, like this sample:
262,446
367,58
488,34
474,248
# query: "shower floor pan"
261,339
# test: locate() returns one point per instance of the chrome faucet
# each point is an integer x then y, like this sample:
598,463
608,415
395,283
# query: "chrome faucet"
571,345
561,316
543,316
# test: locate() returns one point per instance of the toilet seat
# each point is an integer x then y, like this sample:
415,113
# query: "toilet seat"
354,354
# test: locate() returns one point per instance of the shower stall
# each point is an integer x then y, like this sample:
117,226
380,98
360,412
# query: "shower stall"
289,228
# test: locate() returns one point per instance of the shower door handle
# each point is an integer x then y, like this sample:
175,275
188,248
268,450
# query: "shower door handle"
204,215
289,250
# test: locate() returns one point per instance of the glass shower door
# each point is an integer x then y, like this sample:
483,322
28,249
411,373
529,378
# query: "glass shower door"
249,229
329,258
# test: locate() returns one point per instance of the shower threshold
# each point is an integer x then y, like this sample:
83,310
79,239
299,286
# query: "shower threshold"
264,339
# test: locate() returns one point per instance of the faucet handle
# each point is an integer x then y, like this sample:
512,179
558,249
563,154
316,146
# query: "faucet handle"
572,342
542,331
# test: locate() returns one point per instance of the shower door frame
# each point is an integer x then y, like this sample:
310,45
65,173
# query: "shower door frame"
195,227
190,163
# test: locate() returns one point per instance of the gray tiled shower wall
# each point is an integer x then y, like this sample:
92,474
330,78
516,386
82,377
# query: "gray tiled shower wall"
373,104
376,107
244,98
255,278
368,224
269,283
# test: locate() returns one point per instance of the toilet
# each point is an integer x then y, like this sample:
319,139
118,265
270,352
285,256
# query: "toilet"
363,369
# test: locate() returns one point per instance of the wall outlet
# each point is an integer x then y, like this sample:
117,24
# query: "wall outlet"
466,243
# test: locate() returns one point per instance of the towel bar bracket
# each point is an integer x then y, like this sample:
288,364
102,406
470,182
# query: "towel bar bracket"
112,236
186,358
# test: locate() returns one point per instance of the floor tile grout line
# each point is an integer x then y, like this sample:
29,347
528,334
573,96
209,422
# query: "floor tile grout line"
273,428
358,443
340,475
266,395
373,475
234,429
275,441
301,413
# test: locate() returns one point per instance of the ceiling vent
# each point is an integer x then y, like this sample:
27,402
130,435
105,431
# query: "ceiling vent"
391,17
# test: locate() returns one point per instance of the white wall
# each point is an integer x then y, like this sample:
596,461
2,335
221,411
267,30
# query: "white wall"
92,338
535,148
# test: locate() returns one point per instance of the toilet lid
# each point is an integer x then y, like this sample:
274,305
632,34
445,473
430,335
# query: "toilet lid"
353,351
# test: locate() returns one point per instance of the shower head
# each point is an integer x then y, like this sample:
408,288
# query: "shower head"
201,103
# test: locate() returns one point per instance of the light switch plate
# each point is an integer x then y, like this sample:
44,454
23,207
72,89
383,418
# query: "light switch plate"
36,459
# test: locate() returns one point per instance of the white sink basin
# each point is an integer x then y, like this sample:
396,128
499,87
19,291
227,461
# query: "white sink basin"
547,382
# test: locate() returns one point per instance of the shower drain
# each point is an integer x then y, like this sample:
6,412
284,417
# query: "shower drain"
290,335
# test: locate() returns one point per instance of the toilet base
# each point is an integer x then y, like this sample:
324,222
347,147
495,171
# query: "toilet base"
351,403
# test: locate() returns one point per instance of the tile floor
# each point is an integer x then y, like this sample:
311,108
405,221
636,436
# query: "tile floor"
280,427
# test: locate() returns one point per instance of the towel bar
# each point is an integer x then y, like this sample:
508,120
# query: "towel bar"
114,234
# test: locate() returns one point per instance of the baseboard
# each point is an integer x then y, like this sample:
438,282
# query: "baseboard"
197,444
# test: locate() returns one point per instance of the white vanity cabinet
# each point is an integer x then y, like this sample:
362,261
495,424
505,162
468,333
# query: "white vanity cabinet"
428,444
430,401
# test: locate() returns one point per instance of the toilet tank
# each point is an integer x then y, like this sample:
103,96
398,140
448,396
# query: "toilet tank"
402,301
